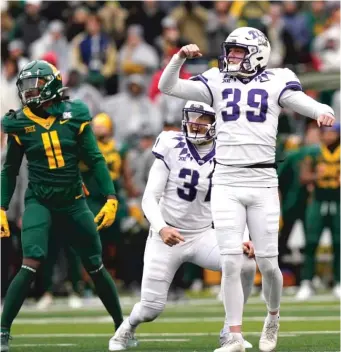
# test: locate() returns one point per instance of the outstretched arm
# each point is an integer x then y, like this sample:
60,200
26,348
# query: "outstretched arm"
171,84
306,106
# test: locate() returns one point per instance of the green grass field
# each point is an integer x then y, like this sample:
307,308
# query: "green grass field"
192,325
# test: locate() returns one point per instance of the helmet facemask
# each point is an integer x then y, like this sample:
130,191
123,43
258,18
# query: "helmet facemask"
244,67
198,126
33,91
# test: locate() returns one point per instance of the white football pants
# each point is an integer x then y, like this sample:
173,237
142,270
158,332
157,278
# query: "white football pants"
161,263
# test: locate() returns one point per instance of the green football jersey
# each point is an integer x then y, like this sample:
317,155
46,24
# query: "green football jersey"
326,164
294,194
53,146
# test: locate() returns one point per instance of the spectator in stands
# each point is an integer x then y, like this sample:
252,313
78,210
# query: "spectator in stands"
170,39
93,53
326,46
317,17
9,96
154,91
114,20
132,110
147,14
53,40
136,56
7,24
296,23
219,25
76,24
192,19
250,13
16,52
30,25
282,43
78,89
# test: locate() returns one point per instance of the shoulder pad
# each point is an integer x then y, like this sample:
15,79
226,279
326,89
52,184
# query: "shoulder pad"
9,122
76,110
166,141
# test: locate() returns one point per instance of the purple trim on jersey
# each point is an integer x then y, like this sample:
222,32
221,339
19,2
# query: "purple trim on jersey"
296,87
196,155
204,80
161,157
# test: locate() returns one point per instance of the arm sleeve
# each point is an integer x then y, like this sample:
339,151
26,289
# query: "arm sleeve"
303,104
95,161
156,184
10,170
171,84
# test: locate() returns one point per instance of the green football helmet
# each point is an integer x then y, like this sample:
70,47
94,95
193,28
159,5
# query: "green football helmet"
39,82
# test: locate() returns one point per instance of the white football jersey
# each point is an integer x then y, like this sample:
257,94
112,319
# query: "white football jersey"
185,203
247,113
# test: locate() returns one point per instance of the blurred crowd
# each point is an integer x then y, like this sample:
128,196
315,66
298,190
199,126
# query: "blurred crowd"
111,55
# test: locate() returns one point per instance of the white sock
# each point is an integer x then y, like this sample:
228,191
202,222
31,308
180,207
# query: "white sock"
232,291
272,317
272,281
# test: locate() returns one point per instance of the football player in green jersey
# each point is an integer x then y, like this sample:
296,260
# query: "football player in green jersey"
321,172
54,134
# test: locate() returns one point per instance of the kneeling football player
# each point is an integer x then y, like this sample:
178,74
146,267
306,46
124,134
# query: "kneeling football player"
177,204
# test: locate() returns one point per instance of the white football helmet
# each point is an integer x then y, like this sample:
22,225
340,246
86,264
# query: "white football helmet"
196,131
257,55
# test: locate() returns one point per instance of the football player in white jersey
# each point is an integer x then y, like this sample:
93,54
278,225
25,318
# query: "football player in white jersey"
247,98
176,201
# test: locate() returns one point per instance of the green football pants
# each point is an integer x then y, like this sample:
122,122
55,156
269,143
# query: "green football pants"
321,215
74,222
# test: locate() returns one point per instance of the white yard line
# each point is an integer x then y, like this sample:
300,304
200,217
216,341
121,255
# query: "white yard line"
179,334
169,320
43,344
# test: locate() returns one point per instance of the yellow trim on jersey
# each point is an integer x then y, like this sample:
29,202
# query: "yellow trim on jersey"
45,123
81,129
330,156
16,138
48,150
106,147
57,149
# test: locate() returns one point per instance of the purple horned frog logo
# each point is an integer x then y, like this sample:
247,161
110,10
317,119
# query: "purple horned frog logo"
262,40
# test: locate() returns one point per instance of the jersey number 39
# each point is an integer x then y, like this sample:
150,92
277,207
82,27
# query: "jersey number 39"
256,98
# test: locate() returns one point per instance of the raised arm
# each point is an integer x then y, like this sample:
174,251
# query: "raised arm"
171,84
306,106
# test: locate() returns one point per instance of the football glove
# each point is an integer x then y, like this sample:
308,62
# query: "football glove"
136,212
4,224
107,214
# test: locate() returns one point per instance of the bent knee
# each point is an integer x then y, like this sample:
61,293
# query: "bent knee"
150,310
268,266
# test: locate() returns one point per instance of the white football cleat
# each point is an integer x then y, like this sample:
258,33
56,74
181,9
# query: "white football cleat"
224,336
45,301
234,343
305,292
337,291
75,302
268,339
123,338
